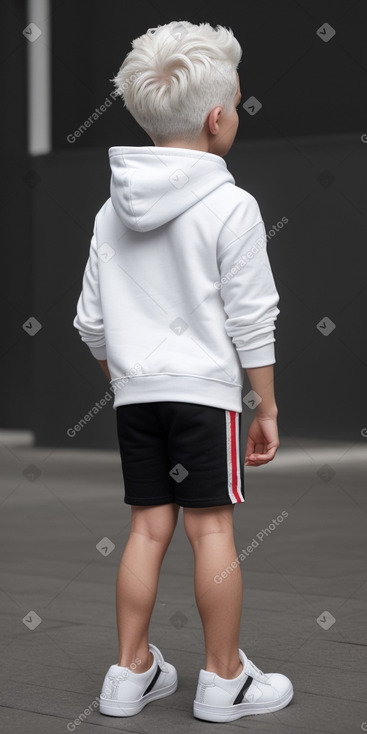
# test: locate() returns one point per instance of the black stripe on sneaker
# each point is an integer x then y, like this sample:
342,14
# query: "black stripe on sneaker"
243,690
153,681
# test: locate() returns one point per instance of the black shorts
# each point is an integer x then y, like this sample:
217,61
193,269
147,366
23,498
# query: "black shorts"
180,452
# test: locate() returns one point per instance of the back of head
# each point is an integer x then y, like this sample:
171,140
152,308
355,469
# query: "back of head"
175,75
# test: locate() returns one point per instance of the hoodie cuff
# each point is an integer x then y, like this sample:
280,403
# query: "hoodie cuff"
260,357
98,352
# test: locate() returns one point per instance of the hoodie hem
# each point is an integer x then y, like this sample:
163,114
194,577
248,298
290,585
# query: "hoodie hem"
178,388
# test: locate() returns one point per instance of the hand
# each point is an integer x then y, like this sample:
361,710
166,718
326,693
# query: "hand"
262,441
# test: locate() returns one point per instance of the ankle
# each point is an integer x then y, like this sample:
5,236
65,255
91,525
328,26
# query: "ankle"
226,671
145,663
140,663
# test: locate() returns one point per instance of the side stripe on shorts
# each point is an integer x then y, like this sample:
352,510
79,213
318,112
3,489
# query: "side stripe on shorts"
233,456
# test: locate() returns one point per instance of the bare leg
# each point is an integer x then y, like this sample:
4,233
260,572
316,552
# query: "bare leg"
210,532
137,581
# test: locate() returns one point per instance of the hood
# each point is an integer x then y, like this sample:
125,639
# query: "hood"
150,186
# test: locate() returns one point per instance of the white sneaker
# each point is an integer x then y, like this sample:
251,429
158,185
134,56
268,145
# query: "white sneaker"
125,693
252,692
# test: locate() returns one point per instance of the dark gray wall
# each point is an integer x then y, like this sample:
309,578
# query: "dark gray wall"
17,182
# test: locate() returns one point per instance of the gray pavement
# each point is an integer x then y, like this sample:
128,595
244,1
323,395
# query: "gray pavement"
305,591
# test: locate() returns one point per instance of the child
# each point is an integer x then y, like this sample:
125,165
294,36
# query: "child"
178,296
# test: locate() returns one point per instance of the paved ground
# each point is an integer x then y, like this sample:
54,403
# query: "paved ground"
57,505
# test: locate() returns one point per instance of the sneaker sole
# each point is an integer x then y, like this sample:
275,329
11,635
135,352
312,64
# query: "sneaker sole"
129,708
230,713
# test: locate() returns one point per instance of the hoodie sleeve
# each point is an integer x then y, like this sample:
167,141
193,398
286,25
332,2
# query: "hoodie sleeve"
248,290
89,318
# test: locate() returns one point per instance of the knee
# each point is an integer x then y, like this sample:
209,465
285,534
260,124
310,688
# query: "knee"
201,521
156,523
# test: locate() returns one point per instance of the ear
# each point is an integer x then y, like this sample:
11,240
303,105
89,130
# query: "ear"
213,120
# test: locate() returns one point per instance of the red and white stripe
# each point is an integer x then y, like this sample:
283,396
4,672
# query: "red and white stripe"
233,456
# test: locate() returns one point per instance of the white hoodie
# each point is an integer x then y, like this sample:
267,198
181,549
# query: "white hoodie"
178,293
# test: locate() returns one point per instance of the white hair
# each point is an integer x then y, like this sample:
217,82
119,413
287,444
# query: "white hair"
175,75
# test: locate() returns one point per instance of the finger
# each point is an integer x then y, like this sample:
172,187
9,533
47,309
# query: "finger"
256,463
270,452
255,447
250,445
262,458
251,449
